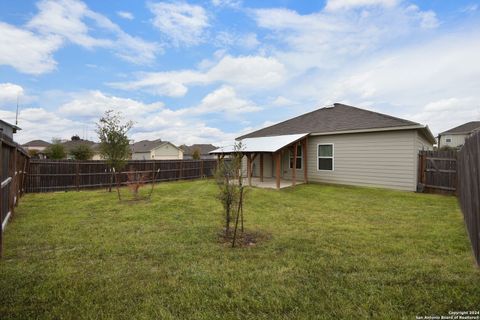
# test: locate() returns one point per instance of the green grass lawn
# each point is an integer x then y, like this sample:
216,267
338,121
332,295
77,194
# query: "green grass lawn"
333,251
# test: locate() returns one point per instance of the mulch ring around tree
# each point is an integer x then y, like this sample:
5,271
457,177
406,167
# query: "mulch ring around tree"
243,239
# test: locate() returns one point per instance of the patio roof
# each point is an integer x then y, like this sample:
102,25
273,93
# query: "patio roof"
262,144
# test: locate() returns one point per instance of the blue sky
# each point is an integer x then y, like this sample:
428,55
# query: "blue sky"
208,71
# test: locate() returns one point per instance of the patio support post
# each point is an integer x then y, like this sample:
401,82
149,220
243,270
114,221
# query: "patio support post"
305,157
277,168
249,169
294,164
261,167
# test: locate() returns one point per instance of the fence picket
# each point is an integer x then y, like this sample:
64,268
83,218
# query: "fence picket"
469,190
437,171
64,175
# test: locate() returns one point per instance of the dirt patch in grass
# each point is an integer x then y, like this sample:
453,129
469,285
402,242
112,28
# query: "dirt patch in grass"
247,238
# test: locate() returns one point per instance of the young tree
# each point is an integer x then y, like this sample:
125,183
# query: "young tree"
114,144
82,152
33,153
196,154
56,150
226,174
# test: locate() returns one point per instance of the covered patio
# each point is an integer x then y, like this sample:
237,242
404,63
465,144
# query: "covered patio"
264,160
270,183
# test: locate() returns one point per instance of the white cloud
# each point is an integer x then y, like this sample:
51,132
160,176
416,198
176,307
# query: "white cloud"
418,73
227,39
151,120
65,18
68,19
227,3
125,15
180,22
349,4
252,72
225,100
445,114
26,51
38,123
331,39
470,8
94,103
281,101
9,92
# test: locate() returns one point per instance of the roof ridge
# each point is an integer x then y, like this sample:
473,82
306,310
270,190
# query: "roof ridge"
377,113
276,124
338,106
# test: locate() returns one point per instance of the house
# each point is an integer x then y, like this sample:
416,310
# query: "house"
203,149
7,130
76,141
455,137
36,148
337,144
155,150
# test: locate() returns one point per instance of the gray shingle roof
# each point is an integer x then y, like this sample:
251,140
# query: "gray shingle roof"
147,145
203,148
36,143
338,118
465,128
72,144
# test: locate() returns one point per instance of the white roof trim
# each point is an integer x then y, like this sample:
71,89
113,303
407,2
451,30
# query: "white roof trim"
263,144
412,127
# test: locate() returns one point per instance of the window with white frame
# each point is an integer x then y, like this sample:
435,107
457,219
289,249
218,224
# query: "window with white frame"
298,161
325,157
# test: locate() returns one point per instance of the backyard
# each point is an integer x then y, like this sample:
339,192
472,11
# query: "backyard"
326,251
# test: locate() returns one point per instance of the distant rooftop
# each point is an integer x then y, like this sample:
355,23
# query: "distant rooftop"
146,145
204,149
465,128
36,143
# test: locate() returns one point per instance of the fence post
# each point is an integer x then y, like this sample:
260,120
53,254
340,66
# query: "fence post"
77,175
12,183
181,170
1,196
17,177
25,166
201,168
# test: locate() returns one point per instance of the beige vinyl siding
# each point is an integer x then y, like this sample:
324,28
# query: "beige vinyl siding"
456,140
287,171
380,159
268,166
141,156
167,152
422,143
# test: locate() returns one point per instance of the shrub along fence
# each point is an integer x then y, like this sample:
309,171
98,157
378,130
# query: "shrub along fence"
469,189
64,175
437,171
14,163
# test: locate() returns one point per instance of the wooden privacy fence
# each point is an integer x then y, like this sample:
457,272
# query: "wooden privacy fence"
64,175
14,163
469,189
437,171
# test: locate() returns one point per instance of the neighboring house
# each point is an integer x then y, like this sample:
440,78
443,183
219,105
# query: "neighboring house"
7,130
203,149
75,142
455,137
338,144
36,147
156,150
